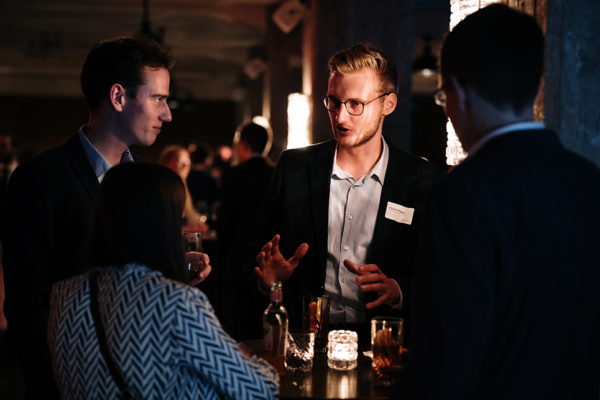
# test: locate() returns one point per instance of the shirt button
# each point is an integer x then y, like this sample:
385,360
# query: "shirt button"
346,248
350,216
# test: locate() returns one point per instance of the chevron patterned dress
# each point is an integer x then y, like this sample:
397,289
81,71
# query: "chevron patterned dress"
162,334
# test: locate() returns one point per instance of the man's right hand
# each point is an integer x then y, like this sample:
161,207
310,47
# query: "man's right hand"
272,266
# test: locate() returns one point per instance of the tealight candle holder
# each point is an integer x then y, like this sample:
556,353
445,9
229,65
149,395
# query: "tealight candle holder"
342,350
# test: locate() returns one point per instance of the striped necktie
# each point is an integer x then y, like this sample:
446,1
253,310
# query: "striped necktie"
126,157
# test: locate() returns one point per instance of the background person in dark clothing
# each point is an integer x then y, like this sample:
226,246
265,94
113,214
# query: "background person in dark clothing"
242,191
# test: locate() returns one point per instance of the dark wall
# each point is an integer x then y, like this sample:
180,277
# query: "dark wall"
39,123
572,70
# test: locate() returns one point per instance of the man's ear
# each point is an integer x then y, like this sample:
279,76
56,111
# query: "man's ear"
459,91
389,103
117,97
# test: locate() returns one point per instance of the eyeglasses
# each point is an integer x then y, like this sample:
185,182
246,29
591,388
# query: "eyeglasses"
354,107
439,96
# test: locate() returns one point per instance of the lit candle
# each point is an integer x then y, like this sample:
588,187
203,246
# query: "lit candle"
342,350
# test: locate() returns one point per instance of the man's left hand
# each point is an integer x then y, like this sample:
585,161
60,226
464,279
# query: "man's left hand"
200,263
371,279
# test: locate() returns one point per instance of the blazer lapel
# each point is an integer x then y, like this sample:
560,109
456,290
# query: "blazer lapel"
393,186
81,165
319,177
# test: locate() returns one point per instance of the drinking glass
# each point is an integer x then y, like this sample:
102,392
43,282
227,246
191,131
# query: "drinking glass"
300,350
386,345
315,318
192,241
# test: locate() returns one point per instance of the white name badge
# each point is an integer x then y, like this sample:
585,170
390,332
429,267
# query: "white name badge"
398,213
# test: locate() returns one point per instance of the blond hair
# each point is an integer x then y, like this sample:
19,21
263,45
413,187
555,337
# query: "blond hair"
365,55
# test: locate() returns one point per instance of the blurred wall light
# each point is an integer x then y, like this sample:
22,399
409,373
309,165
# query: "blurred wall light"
298,112
459,9
264,122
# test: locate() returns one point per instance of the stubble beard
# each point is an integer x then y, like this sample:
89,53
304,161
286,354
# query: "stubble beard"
370,130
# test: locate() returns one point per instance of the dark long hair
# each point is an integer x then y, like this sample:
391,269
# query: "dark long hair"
138,219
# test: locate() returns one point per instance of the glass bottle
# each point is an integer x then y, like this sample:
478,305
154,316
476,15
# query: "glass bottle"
275,329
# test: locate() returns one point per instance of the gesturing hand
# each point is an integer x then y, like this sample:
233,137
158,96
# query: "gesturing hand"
371,279
272,266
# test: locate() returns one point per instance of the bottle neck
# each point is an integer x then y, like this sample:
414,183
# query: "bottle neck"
276,293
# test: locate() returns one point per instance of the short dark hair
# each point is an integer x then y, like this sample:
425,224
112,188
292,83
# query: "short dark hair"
499,53
255,135
138,219
365,55
120,60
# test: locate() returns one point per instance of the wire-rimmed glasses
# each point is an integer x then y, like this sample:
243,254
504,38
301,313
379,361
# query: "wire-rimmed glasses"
354,107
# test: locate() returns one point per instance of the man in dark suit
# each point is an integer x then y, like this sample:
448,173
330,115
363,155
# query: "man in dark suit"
242,192
346,210
506,302
125,82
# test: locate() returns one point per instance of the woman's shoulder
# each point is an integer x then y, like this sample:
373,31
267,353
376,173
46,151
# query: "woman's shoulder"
155,281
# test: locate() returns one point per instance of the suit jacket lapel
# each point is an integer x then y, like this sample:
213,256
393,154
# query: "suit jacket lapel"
395,174
319,178
81,165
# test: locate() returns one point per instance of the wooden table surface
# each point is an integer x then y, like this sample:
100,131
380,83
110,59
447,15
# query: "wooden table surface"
326,383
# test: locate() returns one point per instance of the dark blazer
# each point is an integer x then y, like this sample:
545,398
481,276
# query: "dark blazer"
296,207
49,212
243,188
507,303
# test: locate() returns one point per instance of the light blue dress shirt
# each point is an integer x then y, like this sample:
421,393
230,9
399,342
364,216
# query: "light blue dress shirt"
99,164
353,206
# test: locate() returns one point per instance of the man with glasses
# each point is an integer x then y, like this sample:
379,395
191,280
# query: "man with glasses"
340,217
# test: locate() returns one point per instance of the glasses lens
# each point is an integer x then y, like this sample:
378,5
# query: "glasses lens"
354,107
331,103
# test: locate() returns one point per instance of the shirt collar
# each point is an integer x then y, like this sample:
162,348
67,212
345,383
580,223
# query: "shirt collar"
378,171
99,164
517,126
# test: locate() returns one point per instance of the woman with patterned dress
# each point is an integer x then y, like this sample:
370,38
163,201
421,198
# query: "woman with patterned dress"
160,331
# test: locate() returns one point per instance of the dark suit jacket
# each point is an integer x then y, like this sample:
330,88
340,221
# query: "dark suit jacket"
242,192
49,212
296,207
507,298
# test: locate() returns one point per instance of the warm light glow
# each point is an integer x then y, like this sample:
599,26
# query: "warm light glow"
459,9
342,349
298,118
341,384
428,72
262,121
454,151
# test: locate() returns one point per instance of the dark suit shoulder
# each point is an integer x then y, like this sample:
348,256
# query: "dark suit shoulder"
54,156
310,153
413,163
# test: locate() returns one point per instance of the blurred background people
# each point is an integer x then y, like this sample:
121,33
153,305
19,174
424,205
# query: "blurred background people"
159,332
177,158
201,184
242,192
